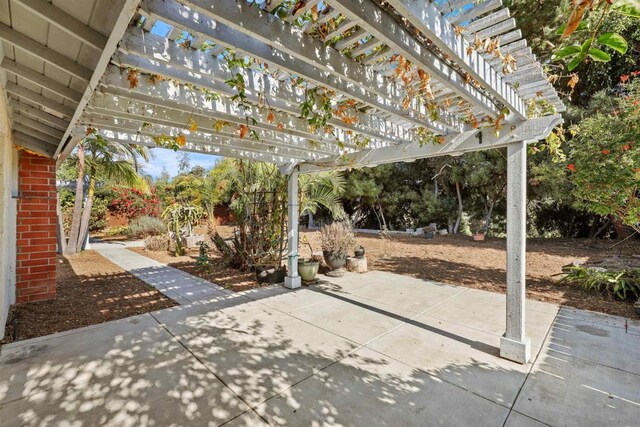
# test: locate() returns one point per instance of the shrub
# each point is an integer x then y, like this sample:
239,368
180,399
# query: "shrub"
132,203
624,284
156,243
338,237
117,231
145,226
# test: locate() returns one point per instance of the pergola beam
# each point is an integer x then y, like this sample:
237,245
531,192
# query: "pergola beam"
147,141
179,97
167,59
65,22
427,19
207,137
121,107
249,30
384,27
127,12
475,140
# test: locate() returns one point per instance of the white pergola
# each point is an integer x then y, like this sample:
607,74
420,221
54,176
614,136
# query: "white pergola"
403,80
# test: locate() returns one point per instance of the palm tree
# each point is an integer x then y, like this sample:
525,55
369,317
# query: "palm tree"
96,157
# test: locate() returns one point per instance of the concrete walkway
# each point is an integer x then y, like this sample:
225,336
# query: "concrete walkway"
372,349
181,287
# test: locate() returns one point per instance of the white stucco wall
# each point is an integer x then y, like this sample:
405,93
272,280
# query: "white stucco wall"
8,189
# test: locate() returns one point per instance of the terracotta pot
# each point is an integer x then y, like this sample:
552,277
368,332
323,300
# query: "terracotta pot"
334,260
478,237
308,269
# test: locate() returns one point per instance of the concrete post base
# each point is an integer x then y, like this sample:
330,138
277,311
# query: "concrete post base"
292,282
516,351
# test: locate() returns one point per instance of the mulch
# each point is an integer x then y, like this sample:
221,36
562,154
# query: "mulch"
217,273
90,290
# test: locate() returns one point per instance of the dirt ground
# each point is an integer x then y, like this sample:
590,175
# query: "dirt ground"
90,290
454,260
458,260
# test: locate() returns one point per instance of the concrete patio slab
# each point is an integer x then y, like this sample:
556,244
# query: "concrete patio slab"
256,351
368,389
172,388
573,337
518,420
462,356
350,351
350,318
564,391
485,311
51,362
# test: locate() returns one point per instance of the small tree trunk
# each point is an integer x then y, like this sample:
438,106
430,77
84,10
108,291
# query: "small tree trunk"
460,208
62,239
74,232
86,213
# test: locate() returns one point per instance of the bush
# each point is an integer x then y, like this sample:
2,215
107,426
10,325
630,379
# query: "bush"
156,243
117,231
145,226
338,237
132,203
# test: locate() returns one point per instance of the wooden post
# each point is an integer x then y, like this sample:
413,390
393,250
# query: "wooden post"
514,345
293,280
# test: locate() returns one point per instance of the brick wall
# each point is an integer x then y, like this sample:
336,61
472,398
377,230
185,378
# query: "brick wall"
36,229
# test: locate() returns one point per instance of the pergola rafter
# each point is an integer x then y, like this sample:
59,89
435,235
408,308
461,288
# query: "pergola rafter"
324,85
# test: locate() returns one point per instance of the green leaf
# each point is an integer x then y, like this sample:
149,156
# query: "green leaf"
627,7
566,51
576,61
614,41
599,55
585,46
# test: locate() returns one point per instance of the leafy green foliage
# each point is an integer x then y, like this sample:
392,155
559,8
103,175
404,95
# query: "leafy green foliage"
623,285
605,159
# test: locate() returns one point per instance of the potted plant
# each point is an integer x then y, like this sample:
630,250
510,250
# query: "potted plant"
338,240
478,229
308,267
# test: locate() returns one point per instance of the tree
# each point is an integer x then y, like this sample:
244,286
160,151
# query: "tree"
605,158
97,157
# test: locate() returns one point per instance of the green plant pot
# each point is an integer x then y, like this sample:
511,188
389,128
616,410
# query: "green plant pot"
308,269
334,260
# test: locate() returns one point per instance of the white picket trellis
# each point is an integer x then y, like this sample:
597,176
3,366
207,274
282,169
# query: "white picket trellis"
403,80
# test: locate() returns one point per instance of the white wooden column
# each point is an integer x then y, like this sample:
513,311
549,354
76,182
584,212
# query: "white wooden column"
293,280
514,345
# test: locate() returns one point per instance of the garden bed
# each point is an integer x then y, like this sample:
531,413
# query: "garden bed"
90,290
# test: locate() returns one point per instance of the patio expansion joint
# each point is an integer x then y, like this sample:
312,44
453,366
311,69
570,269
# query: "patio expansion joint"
515,400
251,408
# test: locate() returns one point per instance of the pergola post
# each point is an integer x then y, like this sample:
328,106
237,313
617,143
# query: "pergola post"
293,280
514,345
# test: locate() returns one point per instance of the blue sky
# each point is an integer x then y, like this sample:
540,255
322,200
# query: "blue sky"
168,159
